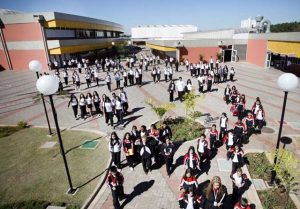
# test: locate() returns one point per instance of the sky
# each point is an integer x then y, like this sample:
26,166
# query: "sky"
205,15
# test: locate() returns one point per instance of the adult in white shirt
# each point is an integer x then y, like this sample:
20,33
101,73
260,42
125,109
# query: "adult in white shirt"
114,146
180,88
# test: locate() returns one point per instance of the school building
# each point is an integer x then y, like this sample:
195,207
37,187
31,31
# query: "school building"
49,36
278,50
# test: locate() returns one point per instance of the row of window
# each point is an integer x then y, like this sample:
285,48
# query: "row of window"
79,33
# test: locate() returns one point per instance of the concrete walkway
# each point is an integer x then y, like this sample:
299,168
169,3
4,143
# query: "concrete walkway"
156,190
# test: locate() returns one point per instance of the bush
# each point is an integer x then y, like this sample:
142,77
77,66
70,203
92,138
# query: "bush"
31,204
22,124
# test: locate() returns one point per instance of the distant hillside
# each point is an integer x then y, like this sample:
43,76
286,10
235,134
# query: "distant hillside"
286,27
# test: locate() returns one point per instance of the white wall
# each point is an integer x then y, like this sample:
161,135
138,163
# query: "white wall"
159,31
221,34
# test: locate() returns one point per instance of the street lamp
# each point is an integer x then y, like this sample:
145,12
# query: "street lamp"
287,82
113,43
48,85
36,66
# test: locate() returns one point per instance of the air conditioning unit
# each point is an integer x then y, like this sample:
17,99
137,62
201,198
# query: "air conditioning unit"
178,44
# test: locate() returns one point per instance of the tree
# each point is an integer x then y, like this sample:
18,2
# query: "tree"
286,27
190,102
201,57
160,110
286,168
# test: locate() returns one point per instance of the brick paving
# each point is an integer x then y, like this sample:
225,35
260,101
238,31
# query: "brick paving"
17,90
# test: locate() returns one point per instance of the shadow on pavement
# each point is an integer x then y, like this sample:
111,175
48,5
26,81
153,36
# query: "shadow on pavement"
137,190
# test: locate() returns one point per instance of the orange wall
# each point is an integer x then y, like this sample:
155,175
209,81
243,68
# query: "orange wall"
256,52
3,61
23,32
21,58
192,53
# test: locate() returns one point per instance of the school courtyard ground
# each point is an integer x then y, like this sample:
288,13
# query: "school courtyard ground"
157,190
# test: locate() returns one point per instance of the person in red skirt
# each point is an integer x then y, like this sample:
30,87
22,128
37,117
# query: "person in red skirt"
115,180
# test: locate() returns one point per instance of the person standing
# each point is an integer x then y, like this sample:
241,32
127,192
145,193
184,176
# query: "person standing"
125,78
108,112
168,152
166,73
201,82
176,65
119,111
82,105
215,194
191,160
202,149
189,86
211,62
223,125
89,102
115,146
140,76
118,79
227,93
213,136
128,147
74,102
231,74
65,75
145,153
180,88
96,101
236,155
158,74
239,181
131,76
260,118
88,78
115,180
77,81
225,73
108,81
170,72
124,100
171,90
137,77
209,83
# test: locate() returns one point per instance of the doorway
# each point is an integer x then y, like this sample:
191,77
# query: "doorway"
227,55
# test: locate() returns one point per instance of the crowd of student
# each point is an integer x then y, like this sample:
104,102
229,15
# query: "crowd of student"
150,146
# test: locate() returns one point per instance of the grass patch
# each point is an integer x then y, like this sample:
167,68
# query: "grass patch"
184,130
8,130
31,175
260,168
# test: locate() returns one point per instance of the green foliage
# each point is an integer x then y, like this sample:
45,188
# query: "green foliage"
22,124
161,109
286,27
31,204
219,55
73,207
259,166
190,102
36,98
8,130
201,57
268,200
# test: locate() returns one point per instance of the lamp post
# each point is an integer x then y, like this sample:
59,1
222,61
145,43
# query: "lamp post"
287,82
36,66
48,85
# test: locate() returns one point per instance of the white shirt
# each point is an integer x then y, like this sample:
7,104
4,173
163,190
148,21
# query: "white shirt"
237,179
89,100
180,85
256,109
259,115
108,106
230,139
107,79
191,161
115,148
82,102
190,204
118,105
223,122
201,146
235,158
189,87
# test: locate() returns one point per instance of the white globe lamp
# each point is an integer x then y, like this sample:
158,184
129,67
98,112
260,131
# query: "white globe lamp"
47,85
35,66
288,82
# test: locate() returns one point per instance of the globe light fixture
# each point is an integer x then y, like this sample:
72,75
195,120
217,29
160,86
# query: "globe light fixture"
35,66
47,85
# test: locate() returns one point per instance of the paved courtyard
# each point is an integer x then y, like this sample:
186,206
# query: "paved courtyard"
156,190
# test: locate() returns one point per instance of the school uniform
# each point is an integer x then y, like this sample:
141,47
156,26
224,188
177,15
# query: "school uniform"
88,79
119,111
201,82
231,74
189,182
180,89
250,123
238,205
82,105
74,103
115,150
190,202
238,187
128,147
140,76
236,157
96,101
239,131
117,189
230,140
171,91
191,161
108,82
209,83
227,93
165,132
131,77
225,74
89,101
118,80
213,137
260,119
146,153
202,150
125,78
170,71
168,152
108,111
233,96
65,75
240,106
223,127
166,73
124,100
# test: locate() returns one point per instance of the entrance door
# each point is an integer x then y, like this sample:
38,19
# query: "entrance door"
268,59
233,55
227,55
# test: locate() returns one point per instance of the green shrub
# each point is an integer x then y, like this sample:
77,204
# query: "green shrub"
22,124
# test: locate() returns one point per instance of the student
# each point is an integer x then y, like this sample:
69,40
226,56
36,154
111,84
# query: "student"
119,111
189,86
255,106
202,149
137,77
108,112
108,81
189,200
153,73
124,100
250,123
171,90
88,78
209,83
82,105
191,160
236,155
240,106
229,139
89,102
242,204
225,73
128,147
166,73
74,102
239,180
114,146
180,88
215,194
154,141
125,78
131,77
231,74
158,74
168,152
140,76
118,79
227,93
115,180
145,153
97,76
65,75
170,72
201,82
239,131
96,101
164,132
211,62
213,136
188,181
77,81
223,125
233,94
260,118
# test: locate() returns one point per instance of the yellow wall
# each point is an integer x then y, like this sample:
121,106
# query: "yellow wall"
79,25
284,47
78,48
161,48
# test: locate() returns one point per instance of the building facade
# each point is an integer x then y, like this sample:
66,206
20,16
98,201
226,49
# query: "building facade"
49,36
